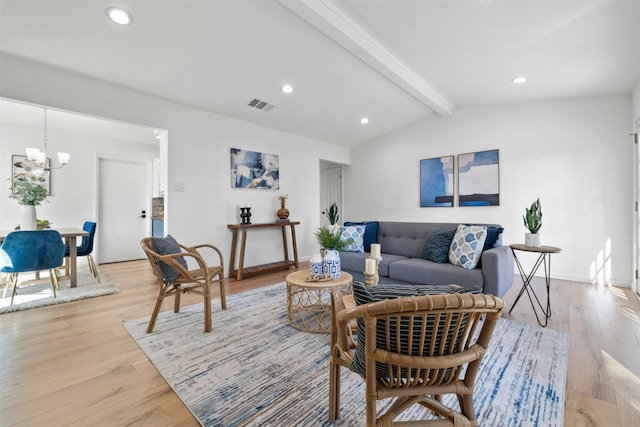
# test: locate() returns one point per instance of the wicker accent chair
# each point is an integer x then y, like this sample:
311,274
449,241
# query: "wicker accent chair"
450,334
174,277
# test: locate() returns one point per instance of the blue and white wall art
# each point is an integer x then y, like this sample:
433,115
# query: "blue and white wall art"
479,179
251,169
436,182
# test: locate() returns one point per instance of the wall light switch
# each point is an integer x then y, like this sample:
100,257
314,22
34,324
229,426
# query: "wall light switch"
178,186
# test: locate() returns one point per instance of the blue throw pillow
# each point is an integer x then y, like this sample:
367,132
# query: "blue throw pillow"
370,232
355,235
436,248
493,234
167,246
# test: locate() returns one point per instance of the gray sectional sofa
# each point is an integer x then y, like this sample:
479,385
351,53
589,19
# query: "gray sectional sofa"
402,247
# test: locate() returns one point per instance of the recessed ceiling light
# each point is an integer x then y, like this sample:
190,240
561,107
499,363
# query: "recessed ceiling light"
287,88
364,120
119,16
519,80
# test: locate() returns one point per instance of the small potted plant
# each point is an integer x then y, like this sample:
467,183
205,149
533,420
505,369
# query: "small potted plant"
29,194
533,221
331,242
329,239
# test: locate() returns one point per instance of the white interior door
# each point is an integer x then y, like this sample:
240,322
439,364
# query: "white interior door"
330,191
123,195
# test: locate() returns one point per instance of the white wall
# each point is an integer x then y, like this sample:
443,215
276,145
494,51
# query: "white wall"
574,154
636,103
74,186
198,158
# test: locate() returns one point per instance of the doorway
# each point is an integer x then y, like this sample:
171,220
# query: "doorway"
330,189
124,208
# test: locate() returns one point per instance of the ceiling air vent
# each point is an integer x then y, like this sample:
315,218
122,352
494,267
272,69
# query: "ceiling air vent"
260,105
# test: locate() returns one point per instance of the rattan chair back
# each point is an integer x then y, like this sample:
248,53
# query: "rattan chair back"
415,350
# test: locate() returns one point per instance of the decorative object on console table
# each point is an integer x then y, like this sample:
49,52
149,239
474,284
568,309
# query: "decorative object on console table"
533,221
29,194
283,212
245,215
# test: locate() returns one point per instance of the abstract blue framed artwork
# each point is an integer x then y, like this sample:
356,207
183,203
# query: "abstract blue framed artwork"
436,182
479,178
251,169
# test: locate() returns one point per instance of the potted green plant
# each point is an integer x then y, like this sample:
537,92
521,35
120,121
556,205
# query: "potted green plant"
533,221
331,242
332,214
29,194
329,239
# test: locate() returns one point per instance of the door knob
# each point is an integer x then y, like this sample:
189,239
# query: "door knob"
143,214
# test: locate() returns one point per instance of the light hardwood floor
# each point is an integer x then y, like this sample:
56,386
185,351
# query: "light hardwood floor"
74,363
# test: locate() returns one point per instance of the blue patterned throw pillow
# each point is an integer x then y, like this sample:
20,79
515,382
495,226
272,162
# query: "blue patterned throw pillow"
355,235
370,232
466,247
167,246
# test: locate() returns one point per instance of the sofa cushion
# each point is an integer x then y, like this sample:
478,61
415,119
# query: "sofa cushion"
167,246
368,294
407,238
353,234
424,272
354,261
370,232
467,244
436,248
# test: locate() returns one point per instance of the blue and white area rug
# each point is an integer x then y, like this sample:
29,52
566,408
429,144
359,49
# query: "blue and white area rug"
254,369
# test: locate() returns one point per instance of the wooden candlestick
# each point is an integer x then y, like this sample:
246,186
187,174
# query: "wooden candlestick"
371,279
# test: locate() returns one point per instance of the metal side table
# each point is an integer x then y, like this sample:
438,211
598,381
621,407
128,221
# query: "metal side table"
544,258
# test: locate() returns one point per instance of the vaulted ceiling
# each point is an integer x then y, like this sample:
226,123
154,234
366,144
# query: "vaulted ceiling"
392,61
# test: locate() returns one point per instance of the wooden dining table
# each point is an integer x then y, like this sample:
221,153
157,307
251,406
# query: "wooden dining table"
70,236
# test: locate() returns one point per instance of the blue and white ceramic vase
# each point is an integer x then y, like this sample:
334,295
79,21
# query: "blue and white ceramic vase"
332,263
315,264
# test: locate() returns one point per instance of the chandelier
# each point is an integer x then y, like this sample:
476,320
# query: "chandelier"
40,157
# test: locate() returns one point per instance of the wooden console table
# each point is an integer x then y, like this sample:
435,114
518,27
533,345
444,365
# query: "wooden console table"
242,271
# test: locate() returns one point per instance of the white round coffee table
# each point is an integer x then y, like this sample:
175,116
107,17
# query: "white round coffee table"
309,303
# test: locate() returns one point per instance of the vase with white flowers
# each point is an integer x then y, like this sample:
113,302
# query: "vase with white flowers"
29,194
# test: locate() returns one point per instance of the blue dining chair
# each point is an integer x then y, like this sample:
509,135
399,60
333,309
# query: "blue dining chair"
33,250
86,247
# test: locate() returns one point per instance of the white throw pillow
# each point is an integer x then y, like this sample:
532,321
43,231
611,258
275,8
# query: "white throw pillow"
467,244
